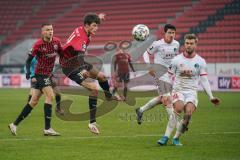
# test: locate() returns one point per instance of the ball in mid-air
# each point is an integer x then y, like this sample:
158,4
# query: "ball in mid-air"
140,32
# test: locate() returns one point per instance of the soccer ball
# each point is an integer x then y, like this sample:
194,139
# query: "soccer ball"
140,32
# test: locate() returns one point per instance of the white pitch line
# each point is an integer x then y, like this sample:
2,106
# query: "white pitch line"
213,133
98,137
65,138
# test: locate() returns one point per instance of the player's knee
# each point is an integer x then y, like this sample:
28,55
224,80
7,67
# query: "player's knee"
49,98
101,77
94,92
166,101
178,110
33,102
189,109
178,107
188,113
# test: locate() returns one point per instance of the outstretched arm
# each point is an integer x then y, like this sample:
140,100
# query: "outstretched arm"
207,88
146,57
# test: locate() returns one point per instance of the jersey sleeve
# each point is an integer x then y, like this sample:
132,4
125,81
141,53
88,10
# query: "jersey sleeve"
60,48
34,49
79,45
77,42
203,68
33,67
173,67
153,48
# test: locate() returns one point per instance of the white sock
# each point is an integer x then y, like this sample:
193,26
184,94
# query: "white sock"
179,126
172,121
150,104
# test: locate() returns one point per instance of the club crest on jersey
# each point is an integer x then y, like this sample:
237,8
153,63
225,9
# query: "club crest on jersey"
55,47
151,48
84,47
196,65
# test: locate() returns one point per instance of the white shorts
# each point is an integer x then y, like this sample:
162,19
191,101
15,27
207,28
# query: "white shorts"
185,96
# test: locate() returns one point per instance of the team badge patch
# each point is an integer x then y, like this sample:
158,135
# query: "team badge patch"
55,47
84,47
196,66
151,48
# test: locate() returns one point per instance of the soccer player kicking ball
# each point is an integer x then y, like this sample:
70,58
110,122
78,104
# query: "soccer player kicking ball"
188,68
45,50
77,69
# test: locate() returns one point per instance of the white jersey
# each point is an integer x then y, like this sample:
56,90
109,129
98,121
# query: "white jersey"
164,52
187,72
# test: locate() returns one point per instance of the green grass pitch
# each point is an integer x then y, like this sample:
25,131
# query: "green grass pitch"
214,132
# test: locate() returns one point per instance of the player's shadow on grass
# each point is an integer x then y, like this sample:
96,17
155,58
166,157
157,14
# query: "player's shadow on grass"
105,107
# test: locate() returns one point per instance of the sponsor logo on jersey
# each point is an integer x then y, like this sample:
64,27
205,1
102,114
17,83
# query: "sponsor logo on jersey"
186,73
51,55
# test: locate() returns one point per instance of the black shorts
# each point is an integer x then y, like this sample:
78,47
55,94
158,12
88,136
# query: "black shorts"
32,84
42,81
76,73
54,81
123,77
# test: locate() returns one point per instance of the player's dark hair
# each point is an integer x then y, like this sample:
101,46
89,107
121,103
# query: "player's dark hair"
191,36
169,26
90,18
46,24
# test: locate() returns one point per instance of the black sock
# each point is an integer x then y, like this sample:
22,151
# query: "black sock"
186,119
47,115
25,112
58,100
92,108
105,86
29,97
125,92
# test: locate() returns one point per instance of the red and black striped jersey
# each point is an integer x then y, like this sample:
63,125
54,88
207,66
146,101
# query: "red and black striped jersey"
46,53
76,43
122,61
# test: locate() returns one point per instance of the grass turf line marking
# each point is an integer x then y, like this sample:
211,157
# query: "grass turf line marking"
98,137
